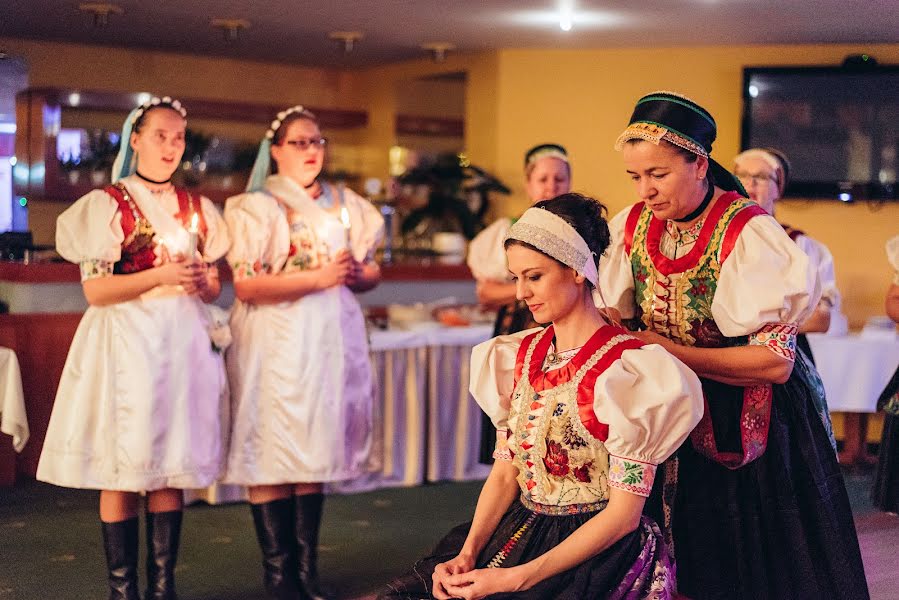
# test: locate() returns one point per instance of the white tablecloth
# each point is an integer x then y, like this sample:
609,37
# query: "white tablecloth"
854,368
13,420
426,424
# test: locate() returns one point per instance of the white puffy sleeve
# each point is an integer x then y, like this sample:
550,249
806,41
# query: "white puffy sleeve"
493,380
616,277
767,286
822,260
260,237
651,401
486,255
218,238
366,226
89,233
893,257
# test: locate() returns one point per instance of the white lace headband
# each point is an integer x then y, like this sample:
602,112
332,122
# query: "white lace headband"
279,119
764,155
553,236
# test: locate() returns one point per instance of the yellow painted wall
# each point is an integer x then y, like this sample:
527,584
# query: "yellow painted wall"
583,99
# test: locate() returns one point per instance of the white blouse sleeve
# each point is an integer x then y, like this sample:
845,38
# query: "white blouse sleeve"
767,286
893,257
616,277
218,239
822,260
260,237
486,255
89,233
493,380
651,401
366,226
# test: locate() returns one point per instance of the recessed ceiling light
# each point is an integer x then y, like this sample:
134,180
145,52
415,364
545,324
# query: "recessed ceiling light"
347,39
230,27
438,50
566,18
101,11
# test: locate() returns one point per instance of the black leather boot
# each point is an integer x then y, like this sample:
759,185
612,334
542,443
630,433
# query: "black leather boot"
120,543
308,521
163,536
274,530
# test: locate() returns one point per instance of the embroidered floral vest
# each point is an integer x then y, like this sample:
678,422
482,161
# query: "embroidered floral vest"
555,438
139,244
674,298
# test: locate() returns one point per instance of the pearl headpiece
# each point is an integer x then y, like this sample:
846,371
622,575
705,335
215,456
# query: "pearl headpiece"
279,118
153,102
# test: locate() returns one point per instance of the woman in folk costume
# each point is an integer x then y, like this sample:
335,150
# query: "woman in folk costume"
886,481
547,174
299,368
760,509
141,401
764,173
584,412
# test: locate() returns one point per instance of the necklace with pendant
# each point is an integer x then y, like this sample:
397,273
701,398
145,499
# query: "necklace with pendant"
554,358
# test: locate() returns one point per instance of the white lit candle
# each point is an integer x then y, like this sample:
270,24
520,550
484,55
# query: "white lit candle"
193,232
345,219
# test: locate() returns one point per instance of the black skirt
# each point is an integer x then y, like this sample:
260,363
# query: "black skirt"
780,527
636,566
886,482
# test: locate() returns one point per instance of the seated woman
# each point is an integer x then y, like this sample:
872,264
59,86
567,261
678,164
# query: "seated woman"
584,412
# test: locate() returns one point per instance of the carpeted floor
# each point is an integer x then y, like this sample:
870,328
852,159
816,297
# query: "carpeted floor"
50,545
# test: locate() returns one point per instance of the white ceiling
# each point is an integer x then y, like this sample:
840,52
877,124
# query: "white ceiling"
296,32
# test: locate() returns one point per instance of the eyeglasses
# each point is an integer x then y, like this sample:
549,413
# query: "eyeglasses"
756,178
303,144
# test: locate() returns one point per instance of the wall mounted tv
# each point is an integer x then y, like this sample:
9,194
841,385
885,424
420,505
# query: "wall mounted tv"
839,127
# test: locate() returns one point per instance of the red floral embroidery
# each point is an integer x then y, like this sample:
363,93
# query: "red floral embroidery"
707,334
292,250
257,267
699,288
582,473
556,459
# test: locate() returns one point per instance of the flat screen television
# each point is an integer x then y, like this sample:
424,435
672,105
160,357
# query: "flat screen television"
838,126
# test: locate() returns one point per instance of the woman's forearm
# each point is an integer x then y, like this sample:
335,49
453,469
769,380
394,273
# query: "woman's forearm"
103,291
494,294
620,517
272,289
892,303
818,321
498,493
739,365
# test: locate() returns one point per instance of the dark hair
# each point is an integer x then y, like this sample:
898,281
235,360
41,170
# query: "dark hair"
587,215
142,119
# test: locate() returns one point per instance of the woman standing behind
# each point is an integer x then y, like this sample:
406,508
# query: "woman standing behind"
760,508
299,368
547,175
765,172
886,482
142,393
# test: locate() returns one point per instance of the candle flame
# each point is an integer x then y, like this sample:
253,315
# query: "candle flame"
345,217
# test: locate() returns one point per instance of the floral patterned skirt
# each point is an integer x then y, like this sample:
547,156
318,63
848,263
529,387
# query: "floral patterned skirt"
637,566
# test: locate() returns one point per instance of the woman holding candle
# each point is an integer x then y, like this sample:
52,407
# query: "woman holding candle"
299,369
141,398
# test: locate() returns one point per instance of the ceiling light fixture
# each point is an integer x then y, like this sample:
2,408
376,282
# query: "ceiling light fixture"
347,39
438,50
231,28
566,14
101,11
